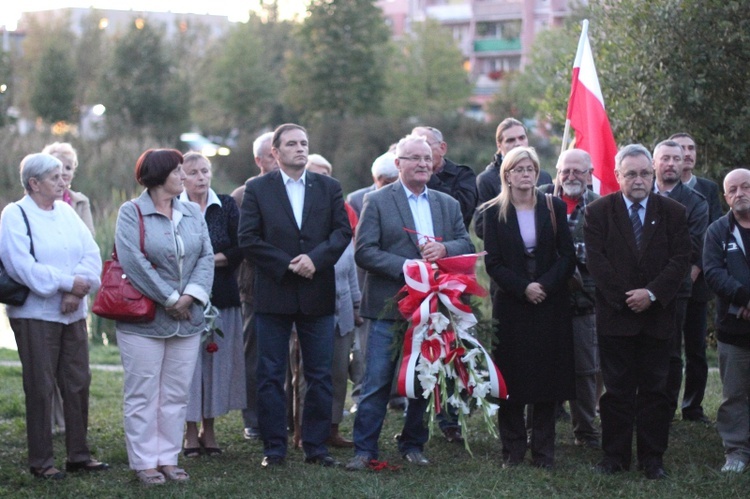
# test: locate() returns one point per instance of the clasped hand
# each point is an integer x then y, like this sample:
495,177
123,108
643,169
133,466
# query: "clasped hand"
180,311
535,293
638,300
303,266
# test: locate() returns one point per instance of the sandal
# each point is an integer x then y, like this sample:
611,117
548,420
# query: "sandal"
175,474
150,477
48,473
210,451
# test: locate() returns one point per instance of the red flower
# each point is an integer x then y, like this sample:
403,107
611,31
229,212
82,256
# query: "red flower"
212,347
431,349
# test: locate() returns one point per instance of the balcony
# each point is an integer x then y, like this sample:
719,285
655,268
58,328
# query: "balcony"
497,45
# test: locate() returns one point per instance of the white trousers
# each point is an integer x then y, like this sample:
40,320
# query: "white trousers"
156,387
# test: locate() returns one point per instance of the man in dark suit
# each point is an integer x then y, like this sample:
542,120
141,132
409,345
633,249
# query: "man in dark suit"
638,250
435,230
510,134
668,167
294,227
695,329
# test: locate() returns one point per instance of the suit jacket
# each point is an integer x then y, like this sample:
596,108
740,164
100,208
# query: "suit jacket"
357,198
617,265
709,189
270,239
382,244
696,210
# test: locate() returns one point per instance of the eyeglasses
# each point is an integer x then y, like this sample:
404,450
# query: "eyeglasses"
570,171
416,159
520,170
631,175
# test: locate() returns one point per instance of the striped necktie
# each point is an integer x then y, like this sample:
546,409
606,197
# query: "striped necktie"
637,225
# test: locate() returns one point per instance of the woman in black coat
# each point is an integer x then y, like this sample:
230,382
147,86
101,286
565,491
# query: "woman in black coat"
530,260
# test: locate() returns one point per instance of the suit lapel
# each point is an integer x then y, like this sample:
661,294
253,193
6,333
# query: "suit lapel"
277,184
651,220
310,184
437,216
402,204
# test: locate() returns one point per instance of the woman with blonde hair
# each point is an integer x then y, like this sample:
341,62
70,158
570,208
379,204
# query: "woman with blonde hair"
530,257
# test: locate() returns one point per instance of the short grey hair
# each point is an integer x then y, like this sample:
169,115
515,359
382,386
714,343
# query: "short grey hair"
409,139
38,166
631,150
435,132
257,143
668,143
385,166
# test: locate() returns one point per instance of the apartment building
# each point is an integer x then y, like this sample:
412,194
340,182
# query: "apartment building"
495,36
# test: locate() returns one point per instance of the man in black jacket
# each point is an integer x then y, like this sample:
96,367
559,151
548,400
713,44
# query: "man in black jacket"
727,269
510,134
458,181
668,167
697,306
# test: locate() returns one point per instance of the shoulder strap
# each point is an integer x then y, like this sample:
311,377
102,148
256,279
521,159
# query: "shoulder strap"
551,209
28,230
141,230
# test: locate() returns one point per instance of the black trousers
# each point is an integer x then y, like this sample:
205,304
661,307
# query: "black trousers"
514,437
634,369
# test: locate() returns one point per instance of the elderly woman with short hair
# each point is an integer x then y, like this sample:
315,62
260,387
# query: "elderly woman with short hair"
50,327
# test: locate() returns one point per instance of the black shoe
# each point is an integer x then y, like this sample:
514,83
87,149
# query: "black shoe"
608,468
655,472
701,418
452,435
90,465
324,460
272,462
47,473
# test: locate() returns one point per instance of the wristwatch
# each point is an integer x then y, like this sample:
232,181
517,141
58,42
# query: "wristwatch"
651,296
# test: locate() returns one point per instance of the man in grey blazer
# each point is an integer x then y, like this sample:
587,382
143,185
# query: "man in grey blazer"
400,222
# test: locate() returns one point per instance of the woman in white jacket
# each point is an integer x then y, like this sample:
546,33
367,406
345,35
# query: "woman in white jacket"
50,327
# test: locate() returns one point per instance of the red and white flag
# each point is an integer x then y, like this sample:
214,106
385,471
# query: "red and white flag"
588,118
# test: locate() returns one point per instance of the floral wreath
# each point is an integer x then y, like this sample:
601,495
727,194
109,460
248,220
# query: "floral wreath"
440,353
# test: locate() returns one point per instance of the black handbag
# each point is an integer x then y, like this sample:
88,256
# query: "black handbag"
12,292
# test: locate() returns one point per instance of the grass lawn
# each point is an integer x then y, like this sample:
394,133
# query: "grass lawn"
693,459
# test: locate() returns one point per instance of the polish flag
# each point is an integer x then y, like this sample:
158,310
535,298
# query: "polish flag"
588,118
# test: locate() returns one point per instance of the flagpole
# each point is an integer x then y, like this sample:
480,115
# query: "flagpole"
576,63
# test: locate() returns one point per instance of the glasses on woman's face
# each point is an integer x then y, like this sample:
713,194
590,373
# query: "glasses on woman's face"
520,170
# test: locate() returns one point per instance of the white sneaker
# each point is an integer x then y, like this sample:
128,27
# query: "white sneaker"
733,465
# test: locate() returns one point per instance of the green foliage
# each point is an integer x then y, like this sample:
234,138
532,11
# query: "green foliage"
248,94
664,66
338,67
54,86
425,75
142,86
